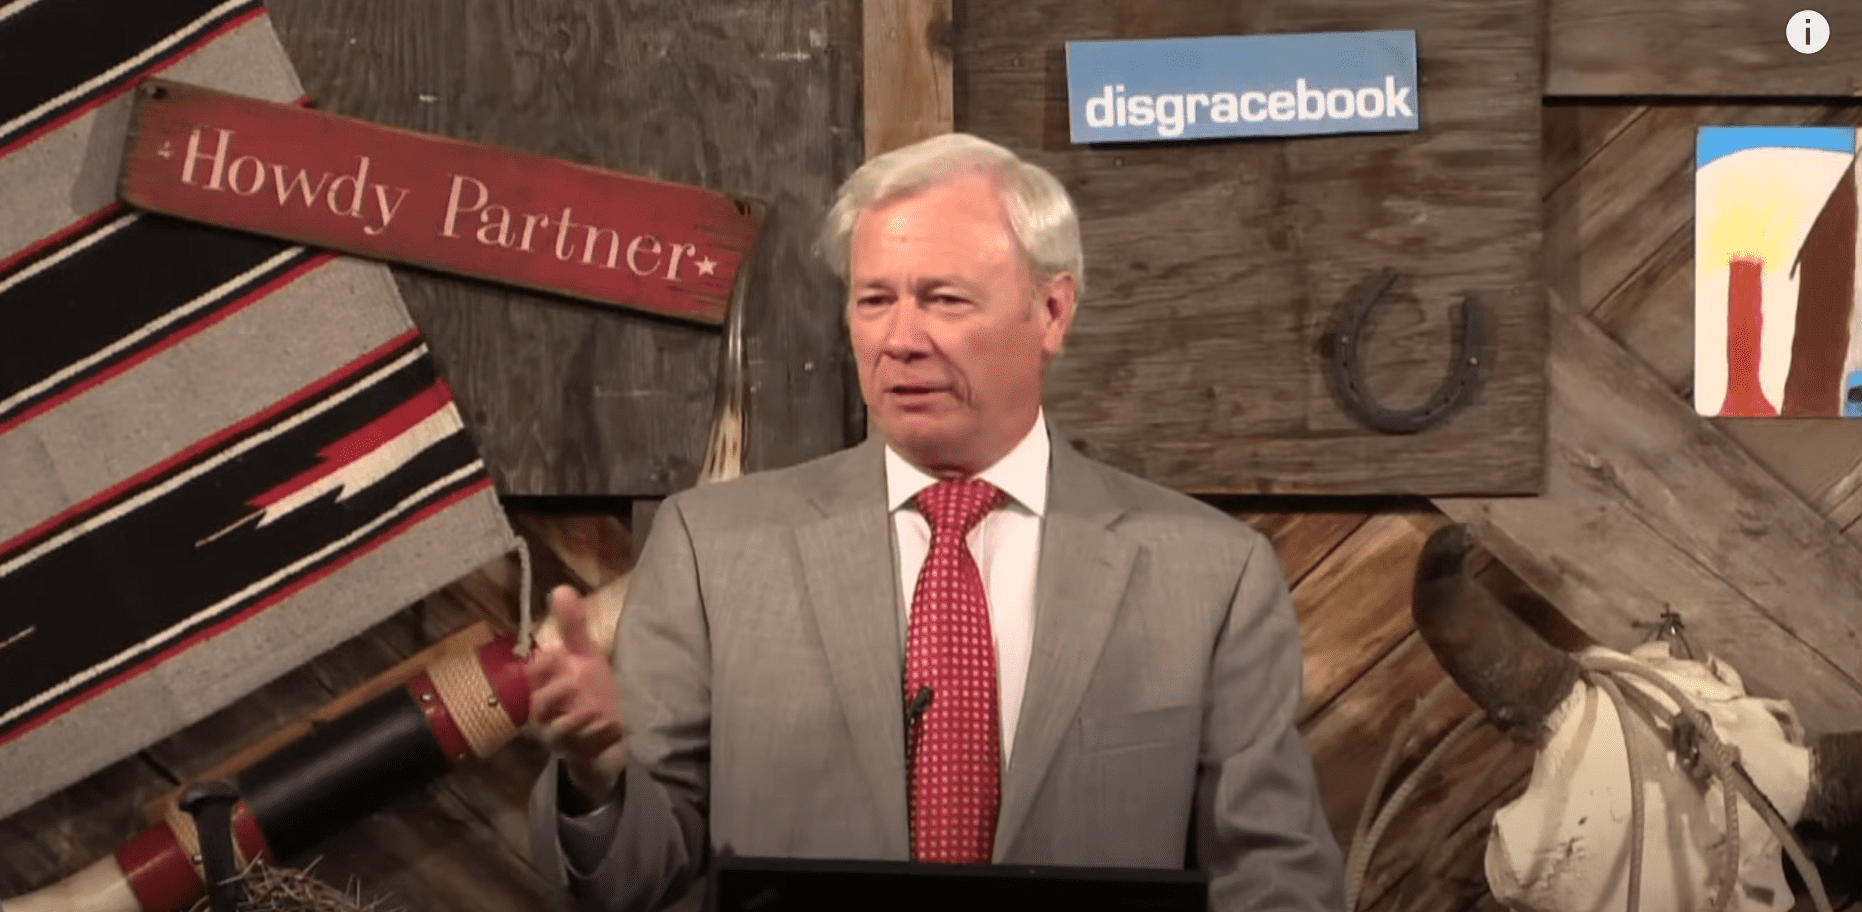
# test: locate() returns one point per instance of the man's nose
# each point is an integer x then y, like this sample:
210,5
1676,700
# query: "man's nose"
905,331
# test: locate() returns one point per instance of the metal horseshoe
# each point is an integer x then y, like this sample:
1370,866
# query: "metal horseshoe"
1344,366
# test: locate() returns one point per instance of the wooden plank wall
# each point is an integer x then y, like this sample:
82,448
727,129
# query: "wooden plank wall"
744,97
1746,528
1214,268
1691,48
1617,210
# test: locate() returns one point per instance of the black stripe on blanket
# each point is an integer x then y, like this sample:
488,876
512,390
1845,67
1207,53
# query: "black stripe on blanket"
161,563
39,60
152,270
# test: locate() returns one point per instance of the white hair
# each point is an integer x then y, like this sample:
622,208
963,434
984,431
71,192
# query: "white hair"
1040,213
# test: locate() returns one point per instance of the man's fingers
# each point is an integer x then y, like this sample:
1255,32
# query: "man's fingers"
572,621
549,701
544,667
557,698
587,741
563,698
582,735
571,687
608,730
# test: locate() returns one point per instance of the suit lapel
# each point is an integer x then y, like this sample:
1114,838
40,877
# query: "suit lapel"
847,562
1080,583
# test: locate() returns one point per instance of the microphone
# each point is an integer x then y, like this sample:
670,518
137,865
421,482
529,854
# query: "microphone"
915,709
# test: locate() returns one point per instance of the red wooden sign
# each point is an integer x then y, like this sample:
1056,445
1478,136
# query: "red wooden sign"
476,210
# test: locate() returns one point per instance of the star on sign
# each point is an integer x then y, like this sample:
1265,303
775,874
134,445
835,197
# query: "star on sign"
706,266
166,151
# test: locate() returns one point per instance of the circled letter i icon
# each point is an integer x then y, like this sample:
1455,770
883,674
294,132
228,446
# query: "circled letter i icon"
1807,31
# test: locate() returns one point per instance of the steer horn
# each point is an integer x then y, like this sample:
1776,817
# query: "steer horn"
1496,658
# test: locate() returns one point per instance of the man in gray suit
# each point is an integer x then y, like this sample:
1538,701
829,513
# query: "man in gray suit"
779,685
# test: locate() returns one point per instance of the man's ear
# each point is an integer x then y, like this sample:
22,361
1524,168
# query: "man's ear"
1055,310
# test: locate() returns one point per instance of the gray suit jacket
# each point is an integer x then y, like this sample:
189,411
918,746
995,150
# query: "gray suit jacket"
760,665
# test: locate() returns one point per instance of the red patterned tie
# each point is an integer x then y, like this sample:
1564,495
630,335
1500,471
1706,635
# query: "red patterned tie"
954,766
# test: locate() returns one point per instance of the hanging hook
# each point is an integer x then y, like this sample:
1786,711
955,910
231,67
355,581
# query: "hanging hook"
1345,366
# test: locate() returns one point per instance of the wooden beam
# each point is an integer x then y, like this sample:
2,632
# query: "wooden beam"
1650,507
906,71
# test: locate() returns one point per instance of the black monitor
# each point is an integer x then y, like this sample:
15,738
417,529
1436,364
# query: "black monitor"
743,884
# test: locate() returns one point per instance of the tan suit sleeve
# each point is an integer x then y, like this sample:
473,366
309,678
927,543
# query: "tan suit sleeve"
1261,831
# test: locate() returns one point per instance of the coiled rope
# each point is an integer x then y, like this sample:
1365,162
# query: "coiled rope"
1364,842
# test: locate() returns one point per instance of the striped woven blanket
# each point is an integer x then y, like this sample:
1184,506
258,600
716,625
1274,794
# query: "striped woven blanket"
220,454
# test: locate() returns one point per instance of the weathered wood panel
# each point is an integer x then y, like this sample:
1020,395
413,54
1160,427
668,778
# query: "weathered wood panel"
1355,606
1302,539
1619,241
1618,183
1697,47
1621,175
1214,267
1654,505
1649,507
68,830
744,97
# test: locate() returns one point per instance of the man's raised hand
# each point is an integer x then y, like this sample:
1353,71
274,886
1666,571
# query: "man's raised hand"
573,700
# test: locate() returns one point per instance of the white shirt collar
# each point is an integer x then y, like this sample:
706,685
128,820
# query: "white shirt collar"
1022,474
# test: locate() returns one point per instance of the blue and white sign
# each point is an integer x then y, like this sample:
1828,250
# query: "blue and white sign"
1168,89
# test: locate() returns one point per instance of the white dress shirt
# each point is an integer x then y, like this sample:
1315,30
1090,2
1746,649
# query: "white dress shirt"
1007,548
